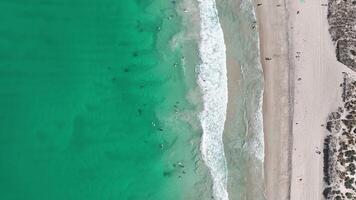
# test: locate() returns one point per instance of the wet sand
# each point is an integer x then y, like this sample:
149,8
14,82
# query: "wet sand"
272,22
242,142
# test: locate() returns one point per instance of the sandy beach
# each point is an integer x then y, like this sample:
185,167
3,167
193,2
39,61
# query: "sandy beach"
302,78
272,23
317,93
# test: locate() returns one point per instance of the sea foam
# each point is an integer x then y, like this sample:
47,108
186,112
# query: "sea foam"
212,80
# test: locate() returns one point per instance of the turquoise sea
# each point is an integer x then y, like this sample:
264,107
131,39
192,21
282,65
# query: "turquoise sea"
127,100
91,101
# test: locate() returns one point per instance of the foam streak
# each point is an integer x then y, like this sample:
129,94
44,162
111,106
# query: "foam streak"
213,83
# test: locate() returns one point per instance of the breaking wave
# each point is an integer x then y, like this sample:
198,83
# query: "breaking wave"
212,80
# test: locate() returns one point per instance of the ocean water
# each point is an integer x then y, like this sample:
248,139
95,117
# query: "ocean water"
94,102
104,99
232,149
243,133
212,79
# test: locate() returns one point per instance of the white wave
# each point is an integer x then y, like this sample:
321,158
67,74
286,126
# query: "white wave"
213,83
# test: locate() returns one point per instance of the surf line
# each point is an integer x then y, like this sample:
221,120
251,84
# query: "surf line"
212,80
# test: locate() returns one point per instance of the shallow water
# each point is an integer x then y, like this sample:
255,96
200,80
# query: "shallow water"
86,101
243,134
100,100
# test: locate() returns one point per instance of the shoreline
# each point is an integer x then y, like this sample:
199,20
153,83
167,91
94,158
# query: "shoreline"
300,72
243,142
277,113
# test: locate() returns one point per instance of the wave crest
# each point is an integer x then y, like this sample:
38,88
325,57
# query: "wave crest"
212,80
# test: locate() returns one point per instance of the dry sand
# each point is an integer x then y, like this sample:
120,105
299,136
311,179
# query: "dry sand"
301,89
316,94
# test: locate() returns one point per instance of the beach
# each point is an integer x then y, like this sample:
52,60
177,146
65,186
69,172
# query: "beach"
272,22
302,87
317,93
